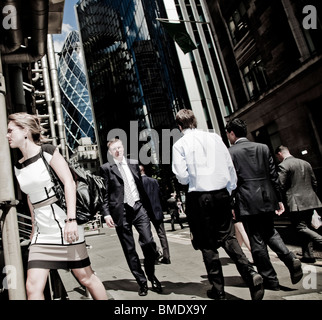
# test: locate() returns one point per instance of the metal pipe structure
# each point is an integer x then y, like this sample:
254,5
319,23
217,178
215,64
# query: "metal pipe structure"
37,43
49,98
9,223
18,96
57,97
15,38
23,39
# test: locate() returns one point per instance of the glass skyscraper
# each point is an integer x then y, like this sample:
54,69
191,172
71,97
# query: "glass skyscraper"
76,105
132,65
203,73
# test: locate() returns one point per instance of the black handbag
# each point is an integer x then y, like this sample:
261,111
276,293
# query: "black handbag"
89,191
58,186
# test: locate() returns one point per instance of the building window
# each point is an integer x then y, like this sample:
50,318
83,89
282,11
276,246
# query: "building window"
255,77
237,23
269,135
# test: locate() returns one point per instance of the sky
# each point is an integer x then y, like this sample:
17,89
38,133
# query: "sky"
69,24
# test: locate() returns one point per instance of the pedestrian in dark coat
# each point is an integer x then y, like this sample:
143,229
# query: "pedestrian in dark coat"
299,185
152,189
126,205
257,199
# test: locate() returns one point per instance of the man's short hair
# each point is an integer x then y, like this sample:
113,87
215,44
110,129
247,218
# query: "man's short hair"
186,119
281,148
110,142
238,126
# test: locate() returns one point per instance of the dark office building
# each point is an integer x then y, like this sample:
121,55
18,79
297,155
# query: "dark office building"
133,71
272,57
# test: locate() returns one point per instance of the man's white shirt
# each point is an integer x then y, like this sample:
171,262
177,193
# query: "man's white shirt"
202,160
129,176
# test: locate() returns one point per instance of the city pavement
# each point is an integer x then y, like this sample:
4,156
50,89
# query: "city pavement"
185,278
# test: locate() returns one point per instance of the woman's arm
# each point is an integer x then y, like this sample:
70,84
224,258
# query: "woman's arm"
60,166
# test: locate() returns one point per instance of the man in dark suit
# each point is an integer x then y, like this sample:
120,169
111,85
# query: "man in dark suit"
152,189
174,211
257,197
298,183
125,205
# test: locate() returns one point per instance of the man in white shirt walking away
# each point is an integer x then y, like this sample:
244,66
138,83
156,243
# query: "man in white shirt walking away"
201,160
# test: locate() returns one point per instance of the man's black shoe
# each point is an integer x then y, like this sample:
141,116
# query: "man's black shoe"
216,295
296,271
159,255
156,285
256,286
165,261
272,287
143,291
308,260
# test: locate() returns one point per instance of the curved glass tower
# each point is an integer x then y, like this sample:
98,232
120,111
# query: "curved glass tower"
76,105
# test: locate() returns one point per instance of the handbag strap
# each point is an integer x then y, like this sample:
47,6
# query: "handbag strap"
53,177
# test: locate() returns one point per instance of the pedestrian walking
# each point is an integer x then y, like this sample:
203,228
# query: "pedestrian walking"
125,205
299,185
201,160
152,189
57,242
173,209
241,234
257,198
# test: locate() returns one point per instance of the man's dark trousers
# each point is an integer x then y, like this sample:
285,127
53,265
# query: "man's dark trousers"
210,221
137,217
262,233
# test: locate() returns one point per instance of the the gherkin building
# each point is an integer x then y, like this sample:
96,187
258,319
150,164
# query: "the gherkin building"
77,112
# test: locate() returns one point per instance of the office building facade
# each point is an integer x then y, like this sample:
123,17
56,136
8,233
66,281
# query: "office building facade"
135,78
201,67
76,105
271,54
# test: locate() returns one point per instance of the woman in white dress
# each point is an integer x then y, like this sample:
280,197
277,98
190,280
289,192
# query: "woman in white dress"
57,242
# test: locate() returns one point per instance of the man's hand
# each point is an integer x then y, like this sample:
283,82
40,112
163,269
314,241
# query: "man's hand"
281,209
109,221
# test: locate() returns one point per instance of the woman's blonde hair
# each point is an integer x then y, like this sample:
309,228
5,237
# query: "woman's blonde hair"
31,122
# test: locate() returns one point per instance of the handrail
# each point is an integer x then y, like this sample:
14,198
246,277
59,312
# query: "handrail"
24,226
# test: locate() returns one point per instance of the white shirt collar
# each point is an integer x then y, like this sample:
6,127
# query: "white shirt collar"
188,130
240,139
123,161
287,157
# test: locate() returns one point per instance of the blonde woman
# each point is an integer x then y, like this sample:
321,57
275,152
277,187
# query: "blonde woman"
57,242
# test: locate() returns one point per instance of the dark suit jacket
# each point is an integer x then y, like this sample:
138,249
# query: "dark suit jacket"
299,184
152,189
258,189
113,203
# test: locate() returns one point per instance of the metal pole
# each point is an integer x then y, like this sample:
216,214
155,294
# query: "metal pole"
18,96
56,92
9,222
49,98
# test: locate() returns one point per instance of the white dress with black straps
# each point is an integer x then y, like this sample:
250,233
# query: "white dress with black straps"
48,248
